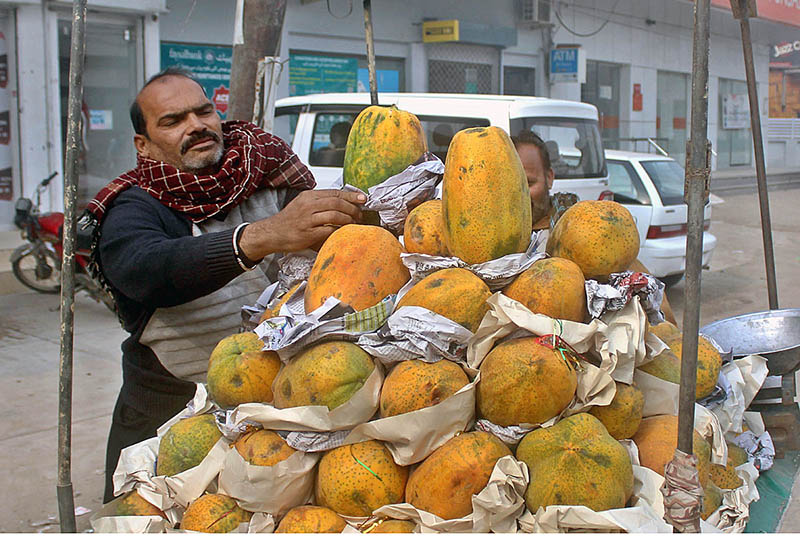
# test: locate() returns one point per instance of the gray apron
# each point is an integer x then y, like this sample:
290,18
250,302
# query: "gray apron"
183,336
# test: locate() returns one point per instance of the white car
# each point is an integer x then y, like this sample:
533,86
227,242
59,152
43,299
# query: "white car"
316,126
651,187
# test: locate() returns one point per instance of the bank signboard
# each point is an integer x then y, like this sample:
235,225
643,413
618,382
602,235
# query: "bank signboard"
210,65
312,73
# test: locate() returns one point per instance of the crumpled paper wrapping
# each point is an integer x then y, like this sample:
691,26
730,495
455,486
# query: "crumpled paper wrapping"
660,396
105,520
733,514
413,332
260,523
359,409
395,197
293,330
616,341
412,437
495,508
136,468
621,287
270,489
496,273
743,379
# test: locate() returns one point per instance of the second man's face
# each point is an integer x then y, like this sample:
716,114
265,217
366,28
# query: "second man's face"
539,180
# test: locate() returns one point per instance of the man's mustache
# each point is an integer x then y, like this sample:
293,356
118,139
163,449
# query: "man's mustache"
198,137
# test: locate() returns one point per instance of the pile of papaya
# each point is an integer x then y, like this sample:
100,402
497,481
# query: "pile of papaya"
484,214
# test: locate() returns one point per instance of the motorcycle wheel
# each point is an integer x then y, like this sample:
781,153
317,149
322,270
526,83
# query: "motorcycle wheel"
39,269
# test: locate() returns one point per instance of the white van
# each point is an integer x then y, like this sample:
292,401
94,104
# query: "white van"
316,126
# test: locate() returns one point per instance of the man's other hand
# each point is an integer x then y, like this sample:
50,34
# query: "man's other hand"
306,221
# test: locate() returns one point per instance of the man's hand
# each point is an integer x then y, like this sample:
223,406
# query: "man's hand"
307,220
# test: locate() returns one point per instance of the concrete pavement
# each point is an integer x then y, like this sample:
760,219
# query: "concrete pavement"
29,356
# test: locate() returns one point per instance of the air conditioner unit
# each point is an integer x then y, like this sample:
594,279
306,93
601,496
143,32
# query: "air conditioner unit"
534,12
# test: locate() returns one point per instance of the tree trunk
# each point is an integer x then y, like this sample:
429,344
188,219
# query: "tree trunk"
262,23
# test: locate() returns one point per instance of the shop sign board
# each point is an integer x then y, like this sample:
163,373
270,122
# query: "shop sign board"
567,64
783,11
438,31
210,65
735,111
310,73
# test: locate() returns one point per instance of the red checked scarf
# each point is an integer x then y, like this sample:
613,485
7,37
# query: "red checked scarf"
253,159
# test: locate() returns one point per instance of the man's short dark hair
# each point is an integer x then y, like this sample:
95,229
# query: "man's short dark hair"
528,137
137,118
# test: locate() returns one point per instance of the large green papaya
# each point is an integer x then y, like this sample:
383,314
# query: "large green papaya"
383,141
487,205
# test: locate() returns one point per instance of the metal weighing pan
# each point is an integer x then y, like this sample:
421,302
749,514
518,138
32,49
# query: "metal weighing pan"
774,335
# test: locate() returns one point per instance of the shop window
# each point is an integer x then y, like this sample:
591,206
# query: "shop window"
519,81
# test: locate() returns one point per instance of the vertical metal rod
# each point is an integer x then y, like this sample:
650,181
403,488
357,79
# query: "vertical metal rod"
66,501
696,193
758,144
373,81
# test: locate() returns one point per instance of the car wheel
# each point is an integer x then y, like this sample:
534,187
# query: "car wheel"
670,280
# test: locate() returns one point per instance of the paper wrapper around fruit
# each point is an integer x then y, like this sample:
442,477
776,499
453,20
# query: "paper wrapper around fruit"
269,489
621,288
136,468
614,343
107,521
497,273
292,331
395,197
359,409
413,332
660,396
643,515
741,380
733,514
412,437
259,523
494,509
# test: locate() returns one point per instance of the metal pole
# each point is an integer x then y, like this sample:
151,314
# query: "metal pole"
758,144
66,502
373,81
695,194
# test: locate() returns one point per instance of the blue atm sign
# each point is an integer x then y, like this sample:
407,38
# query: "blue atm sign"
564,65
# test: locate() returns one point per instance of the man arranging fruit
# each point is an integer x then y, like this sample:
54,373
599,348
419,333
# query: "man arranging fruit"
174,246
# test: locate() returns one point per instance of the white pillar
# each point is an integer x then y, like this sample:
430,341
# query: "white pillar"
35,161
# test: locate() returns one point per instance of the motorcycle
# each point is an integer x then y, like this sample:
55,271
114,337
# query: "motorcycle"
37,263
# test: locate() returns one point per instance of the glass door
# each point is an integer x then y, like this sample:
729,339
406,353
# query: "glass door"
671,113
111,79
602,88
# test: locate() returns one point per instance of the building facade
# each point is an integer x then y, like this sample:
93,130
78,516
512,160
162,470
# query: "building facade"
631,58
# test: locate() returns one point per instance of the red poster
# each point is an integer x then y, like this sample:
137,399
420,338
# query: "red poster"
220,99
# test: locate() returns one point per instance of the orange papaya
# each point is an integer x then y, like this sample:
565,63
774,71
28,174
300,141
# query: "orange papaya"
359,265
383,141
485,197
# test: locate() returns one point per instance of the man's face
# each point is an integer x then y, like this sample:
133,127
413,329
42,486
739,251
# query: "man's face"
539,180
183,128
